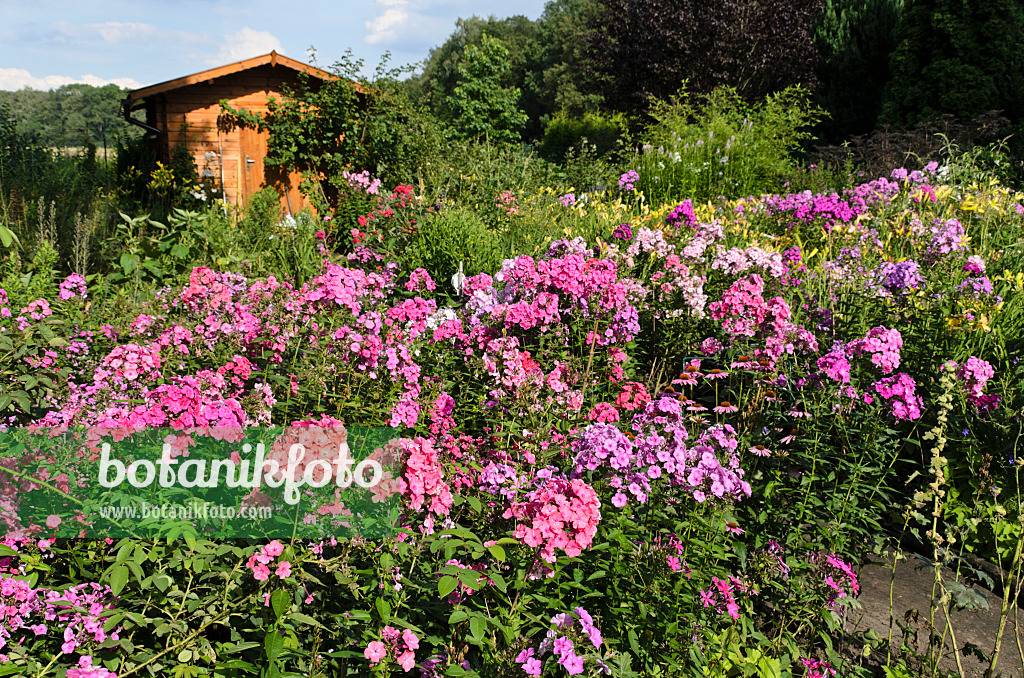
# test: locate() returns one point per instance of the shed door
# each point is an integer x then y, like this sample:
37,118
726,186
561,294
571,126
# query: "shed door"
254,149
255,176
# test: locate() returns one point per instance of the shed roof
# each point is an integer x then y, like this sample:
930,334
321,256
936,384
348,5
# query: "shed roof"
274,59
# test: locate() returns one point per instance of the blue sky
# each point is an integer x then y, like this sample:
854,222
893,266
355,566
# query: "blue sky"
48,43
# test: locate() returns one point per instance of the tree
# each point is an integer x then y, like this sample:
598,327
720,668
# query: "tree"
647,48
855,40
563,80
962,57
436,84
483,107
69,115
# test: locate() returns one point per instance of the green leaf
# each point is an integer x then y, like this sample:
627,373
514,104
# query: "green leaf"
476,627
470,578
384,610
497,552
23,400
136,570
273,644
499,581
279,602
446,585
118,579
129,262
457,616
304,619
7,236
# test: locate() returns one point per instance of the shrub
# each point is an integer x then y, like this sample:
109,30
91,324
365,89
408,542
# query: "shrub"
723,148
565,132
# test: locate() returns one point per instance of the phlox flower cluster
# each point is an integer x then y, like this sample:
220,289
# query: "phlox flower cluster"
77,614
737,260
882,344
627,182
73,286
37,310
880,191
787,338
633,396
401,646
975,374
420,281
899,277
682,215
670,280
347,287
806,208
558,514
362,182
603,413
836,575
663,449
900,391
649,241
262,560
674,282
947,237
975,264
604,445
570,630
817,668
623,232
743,310
128,362
978,286
501,478
721,595
320,440
547,292
423,481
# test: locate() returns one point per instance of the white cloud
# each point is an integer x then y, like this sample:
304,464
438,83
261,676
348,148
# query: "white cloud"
386,27
13,79
118,32
245,44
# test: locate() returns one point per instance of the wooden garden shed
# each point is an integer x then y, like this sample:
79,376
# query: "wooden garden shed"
187,111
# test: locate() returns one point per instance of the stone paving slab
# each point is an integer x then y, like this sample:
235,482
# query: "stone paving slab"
911,595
